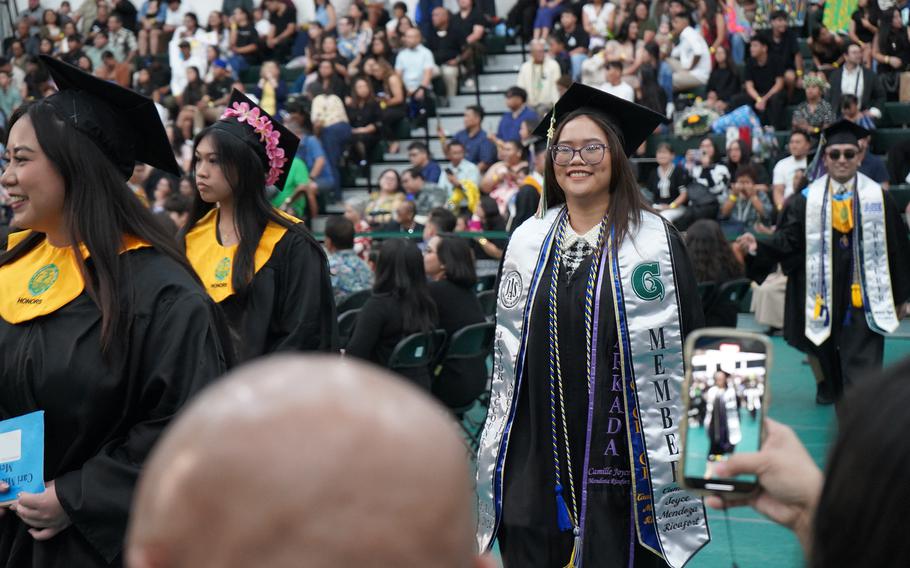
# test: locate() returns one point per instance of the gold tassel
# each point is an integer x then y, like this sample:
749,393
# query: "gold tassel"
551,132
817,312
856,294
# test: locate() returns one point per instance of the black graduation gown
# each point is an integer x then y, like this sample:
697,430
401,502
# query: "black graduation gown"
529,535
851,349
289,305
102,418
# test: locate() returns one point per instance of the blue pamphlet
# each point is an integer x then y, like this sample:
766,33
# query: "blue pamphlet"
22,455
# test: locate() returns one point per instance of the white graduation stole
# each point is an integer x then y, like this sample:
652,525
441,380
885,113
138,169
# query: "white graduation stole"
870,249
648,311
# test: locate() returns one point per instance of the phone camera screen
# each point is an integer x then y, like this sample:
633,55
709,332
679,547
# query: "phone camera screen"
726,400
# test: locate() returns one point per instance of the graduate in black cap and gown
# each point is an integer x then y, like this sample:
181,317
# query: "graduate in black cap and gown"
591,287
261,265
843,245
103,323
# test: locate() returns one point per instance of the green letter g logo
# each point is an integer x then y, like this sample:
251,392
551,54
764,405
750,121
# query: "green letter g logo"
646,281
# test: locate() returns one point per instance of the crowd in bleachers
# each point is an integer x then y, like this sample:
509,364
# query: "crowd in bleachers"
748,86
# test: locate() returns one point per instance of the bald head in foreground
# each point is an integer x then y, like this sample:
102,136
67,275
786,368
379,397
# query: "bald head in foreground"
308,461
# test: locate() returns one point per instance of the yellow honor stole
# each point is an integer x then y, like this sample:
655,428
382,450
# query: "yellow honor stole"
214,263
45,279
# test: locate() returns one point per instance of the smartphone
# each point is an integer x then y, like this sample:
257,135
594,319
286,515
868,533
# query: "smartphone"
725,398
449,171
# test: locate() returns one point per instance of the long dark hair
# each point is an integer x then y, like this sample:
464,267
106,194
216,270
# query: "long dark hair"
245,173
456,255
400,274
98,210
868,527
745,152
626,203
712,257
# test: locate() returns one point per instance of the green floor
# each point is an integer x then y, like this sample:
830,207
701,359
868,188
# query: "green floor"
756,541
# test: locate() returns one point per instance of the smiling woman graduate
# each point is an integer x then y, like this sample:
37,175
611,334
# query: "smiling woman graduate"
103,324
577,462
262,266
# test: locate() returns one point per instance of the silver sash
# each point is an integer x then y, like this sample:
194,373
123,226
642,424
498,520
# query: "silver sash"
870,250
651,302
647,313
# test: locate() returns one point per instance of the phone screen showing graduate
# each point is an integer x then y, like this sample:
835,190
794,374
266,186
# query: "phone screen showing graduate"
727,387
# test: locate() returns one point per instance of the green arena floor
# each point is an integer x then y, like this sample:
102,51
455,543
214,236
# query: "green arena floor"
757,542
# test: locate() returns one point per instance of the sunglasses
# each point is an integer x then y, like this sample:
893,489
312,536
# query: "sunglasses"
835,155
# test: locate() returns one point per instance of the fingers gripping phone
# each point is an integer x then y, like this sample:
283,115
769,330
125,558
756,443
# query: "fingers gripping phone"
725,397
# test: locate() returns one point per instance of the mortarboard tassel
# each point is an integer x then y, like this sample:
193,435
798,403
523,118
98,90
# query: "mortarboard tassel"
551,132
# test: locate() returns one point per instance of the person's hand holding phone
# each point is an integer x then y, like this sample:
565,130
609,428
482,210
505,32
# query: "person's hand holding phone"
789,481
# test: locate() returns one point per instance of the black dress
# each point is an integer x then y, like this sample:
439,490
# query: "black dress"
462,381
103,416
852,350
379,328
529,536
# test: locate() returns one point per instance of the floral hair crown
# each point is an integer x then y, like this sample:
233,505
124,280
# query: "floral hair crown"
269,137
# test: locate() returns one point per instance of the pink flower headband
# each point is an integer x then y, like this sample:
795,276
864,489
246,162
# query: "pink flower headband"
267,135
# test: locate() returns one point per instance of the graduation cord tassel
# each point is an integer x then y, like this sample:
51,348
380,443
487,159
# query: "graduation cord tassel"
562,511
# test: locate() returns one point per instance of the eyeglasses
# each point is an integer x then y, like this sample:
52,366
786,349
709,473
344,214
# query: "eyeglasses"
834,155
591,154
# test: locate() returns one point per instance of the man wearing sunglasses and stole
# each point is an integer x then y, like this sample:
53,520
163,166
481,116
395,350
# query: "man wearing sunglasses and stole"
844,247
578,459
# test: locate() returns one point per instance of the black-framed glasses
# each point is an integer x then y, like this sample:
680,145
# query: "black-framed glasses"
591,154
835,155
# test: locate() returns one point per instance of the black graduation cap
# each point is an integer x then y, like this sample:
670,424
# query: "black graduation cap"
287,140
123,123
633,122
845,132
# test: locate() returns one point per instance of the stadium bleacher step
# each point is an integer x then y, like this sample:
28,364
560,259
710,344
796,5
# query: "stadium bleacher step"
491,103
452,124
503,63
493,82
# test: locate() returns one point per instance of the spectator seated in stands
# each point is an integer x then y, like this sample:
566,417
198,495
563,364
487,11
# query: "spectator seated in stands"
538,77
468,22
479,149
416,66
872,166
405,220
785,170
689,64
667,184
348,272
502,178
858,81
119,72
709,171
179,65
447,45
627,49
392,100
365,118
713,260
745,206
827,49
400,306
892,51
783,46
546,13
815,113
385,202
355,211
217,91
327,81
330,124
419,156
597,18
614,83
764,85
527,199
440,220
189,32
122,41
424,194
244,41
321,178
517,113
459,171
740,154
558,52
283,29
487,217
449,264
575,38
724,82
